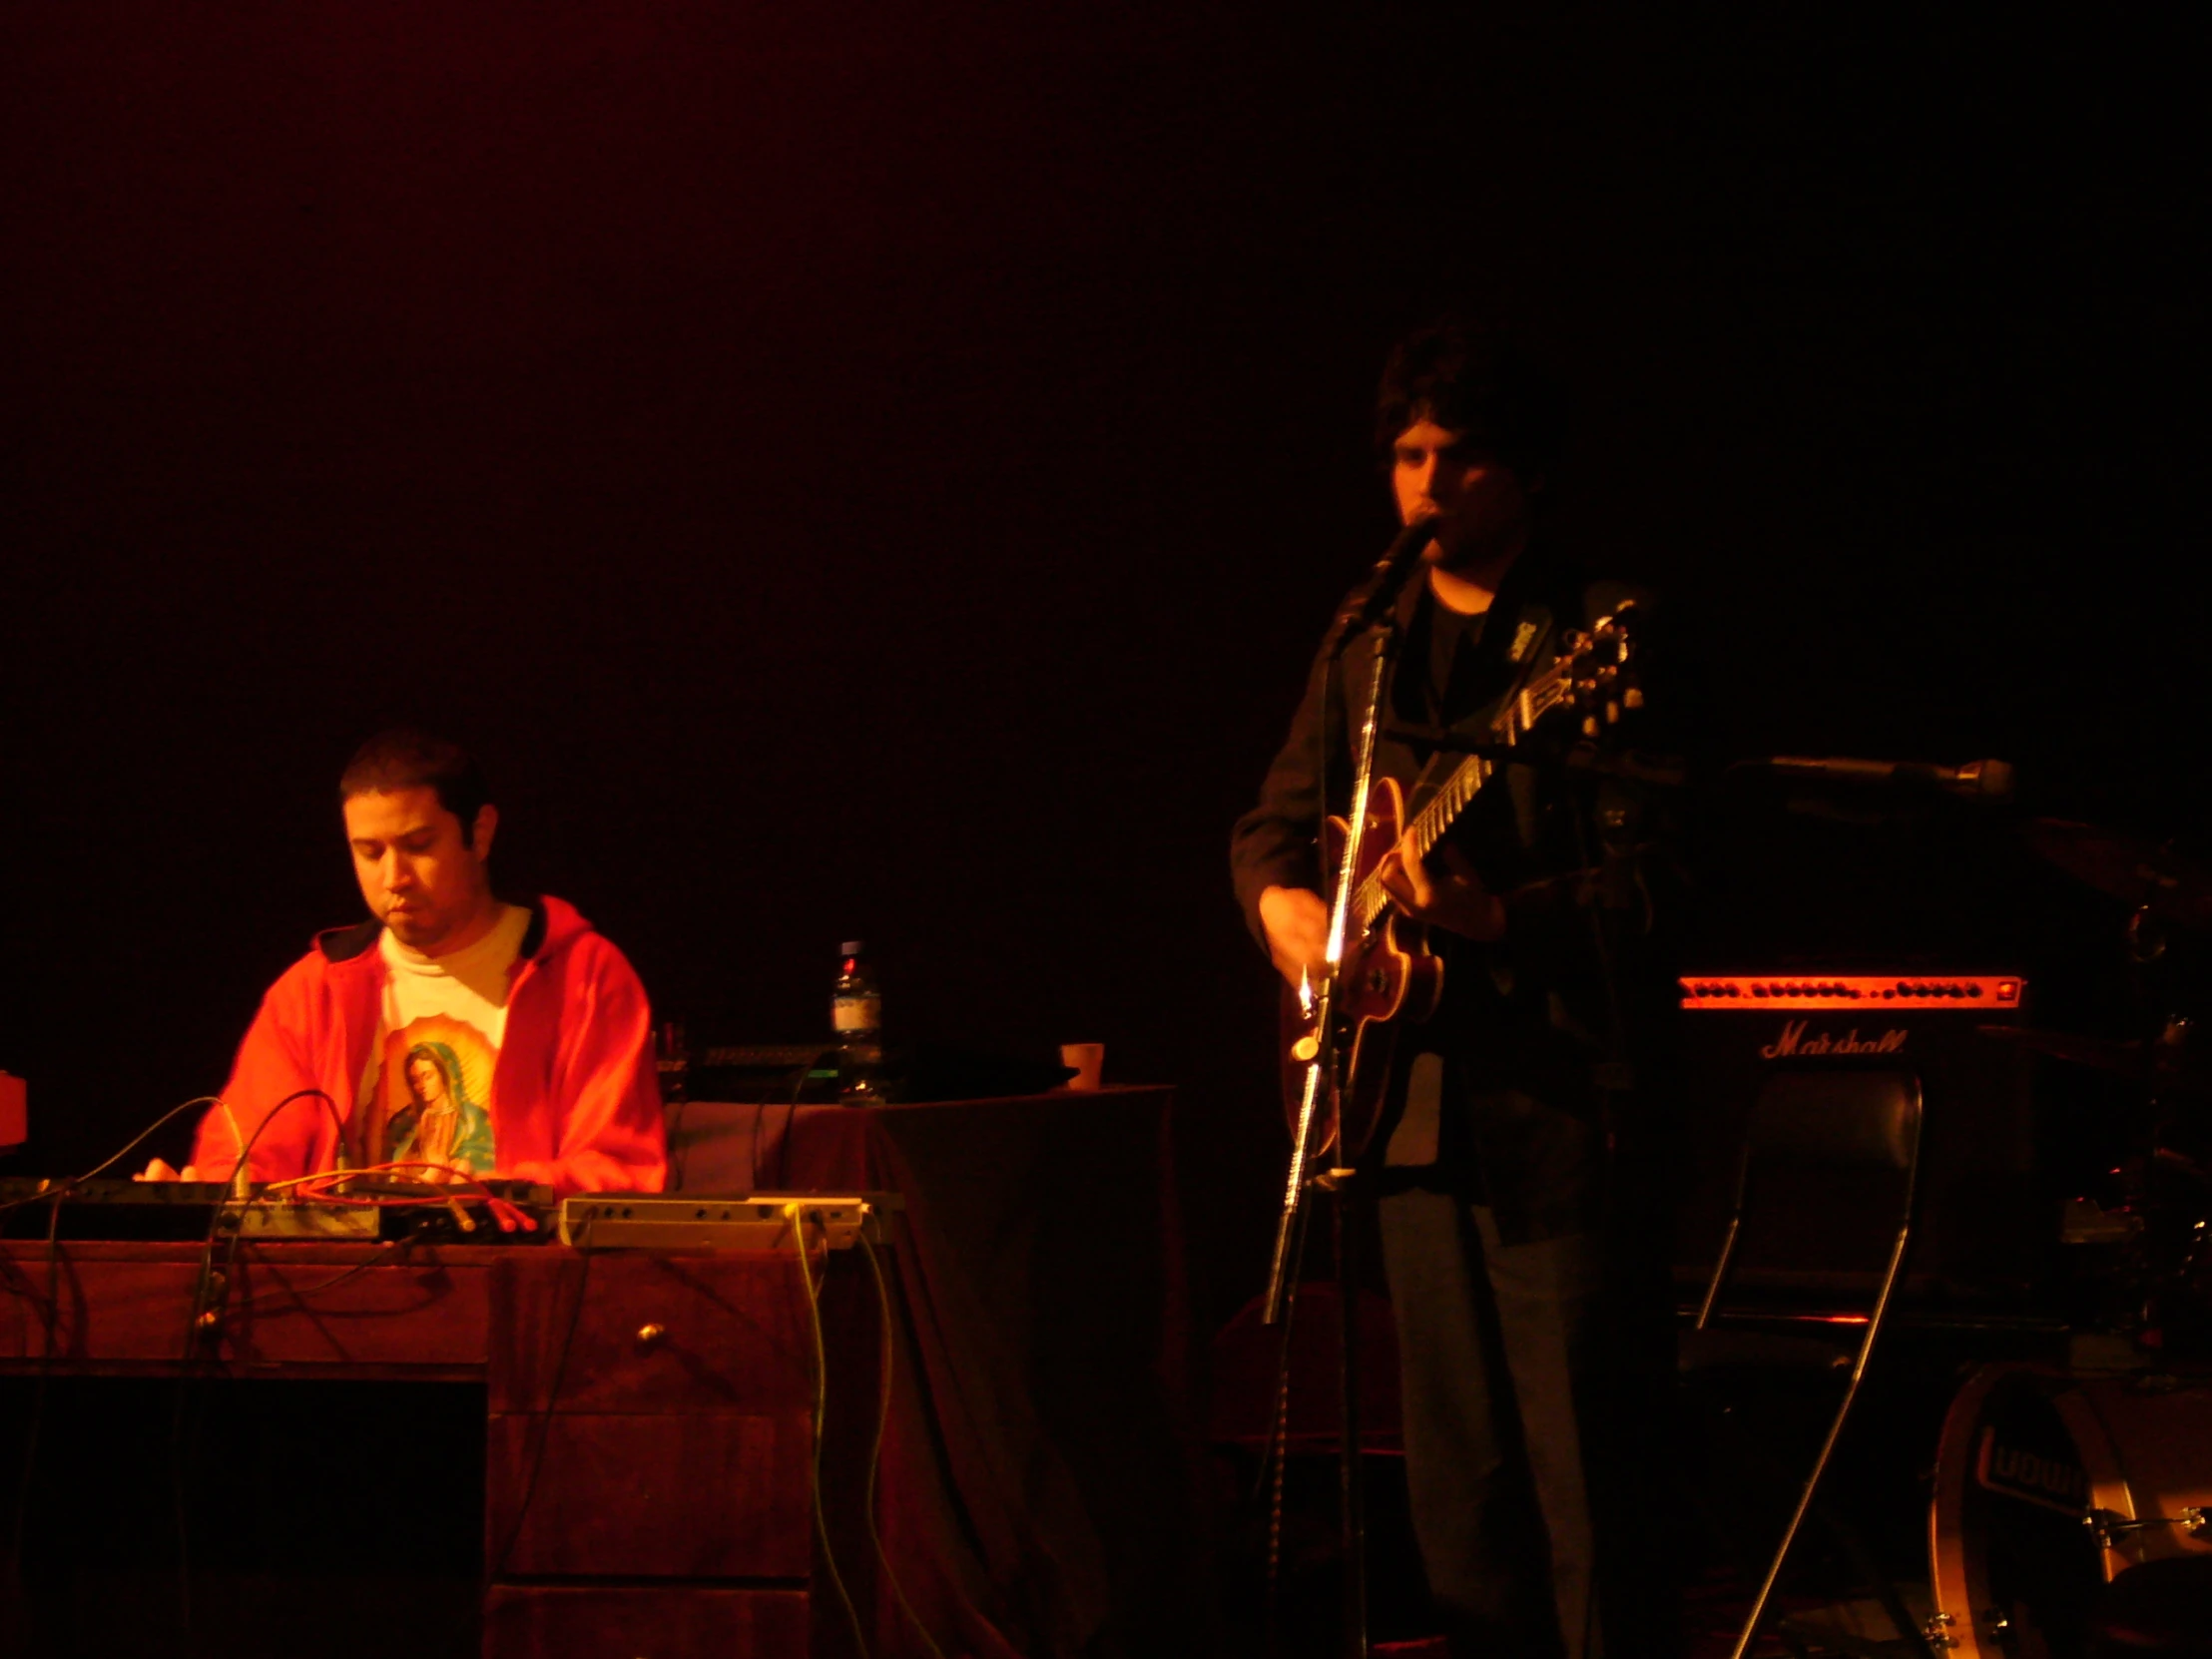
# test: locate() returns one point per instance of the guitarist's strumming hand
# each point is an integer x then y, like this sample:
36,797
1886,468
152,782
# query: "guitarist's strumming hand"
1296,922
1443,891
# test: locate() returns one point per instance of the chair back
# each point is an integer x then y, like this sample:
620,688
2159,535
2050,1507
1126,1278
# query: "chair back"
1861,1124
1839,1117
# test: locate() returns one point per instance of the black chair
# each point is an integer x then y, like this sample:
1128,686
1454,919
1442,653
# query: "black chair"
1847,1124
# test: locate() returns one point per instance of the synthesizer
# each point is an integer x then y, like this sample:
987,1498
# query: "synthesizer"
180,1212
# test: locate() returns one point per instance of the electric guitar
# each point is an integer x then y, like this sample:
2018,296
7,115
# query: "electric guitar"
1389,975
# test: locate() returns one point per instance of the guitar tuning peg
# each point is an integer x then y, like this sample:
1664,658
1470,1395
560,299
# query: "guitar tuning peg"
1633,698
1590,727
1613,713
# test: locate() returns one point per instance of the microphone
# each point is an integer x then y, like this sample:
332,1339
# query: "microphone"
1371,602
1975,780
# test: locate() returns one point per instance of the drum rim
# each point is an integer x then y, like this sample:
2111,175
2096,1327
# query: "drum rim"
1955,1560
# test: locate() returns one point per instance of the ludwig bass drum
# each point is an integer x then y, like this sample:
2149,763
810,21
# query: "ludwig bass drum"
2051,1484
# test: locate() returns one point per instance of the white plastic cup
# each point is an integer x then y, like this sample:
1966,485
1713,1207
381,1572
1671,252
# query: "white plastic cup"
1088,1059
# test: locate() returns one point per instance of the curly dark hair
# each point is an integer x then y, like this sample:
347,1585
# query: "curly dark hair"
1476,382
405,759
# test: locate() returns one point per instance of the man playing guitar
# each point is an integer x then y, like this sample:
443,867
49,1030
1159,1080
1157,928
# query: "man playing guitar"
1490,1159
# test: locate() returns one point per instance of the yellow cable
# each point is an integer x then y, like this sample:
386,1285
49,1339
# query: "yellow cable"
796,1213
875,1451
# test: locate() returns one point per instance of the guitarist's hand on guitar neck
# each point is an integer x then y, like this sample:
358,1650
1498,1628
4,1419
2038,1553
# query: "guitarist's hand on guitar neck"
1296,922
1443,891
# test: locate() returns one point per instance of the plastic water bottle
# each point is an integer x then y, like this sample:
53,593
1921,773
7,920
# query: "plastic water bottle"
857,1014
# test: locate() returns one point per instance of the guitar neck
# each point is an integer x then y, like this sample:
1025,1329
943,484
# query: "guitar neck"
1538,698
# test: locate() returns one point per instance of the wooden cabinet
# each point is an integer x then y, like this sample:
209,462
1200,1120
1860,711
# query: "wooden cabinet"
649,1456
649,1486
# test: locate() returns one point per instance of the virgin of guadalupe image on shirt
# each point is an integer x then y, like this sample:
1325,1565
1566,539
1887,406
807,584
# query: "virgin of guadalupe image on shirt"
440,1124
424,1104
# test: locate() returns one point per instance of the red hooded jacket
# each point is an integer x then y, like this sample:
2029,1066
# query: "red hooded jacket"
575,1096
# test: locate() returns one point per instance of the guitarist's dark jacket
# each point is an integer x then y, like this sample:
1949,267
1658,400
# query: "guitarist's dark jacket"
1535,1047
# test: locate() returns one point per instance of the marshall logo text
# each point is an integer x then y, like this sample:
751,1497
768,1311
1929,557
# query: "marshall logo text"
1794,1042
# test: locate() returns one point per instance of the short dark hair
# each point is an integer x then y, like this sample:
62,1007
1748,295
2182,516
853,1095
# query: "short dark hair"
405,759
1474,381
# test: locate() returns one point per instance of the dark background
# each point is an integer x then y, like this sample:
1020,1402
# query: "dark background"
882,470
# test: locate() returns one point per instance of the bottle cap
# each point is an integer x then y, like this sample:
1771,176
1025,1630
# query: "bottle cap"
851,947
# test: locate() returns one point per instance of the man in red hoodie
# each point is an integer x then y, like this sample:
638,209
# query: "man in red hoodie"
451,1032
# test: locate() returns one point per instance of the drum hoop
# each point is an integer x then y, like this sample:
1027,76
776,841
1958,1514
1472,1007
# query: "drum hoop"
2100,1462
1954,1561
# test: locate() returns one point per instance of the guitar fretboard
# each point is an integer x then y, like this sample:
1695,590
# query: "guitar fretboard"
1538,698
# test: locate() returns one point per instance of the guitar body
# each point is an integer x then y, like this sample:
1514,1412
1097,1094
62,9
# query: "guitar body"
1389,976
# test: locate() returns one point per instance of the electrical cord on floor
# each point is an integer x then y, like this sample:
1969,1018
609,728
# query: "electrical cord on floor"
796,1213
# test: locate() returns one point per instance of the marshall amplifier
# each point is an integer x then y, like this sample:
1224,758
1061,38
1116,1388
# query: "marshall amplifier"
1818,1238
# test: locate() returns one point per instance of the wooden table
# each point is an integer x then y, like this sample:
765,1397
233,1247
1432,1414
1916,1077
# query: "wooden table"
649,1425
1040,1487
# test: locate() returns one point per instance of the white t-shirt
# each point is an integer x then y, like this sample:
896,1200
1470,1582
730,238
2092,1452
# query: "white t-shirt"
425,1096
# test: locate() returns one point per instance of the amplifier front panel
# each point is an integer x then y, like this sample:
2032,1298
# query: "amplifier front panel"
1980,1231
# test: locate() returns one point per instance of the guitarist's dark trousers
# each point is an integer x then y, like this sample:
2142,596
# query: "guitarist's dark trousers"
1532,1496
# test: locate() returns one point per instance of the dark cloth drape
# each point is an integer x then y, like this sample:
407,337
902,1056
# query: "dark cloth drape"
1038,1492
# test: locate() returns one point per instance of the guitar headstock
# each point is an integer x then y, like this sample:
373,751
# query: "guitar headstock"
1599,663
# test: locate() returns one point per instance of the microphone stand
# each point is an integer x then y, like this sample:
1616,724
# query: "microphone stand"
1372,606
1343,1180
1324,1078
1323,1091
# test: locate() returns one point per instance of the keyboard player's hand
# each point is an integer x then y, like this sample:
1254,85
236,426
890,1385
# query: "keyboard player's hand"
159,1171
